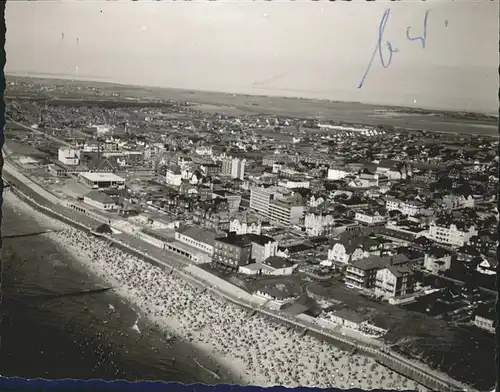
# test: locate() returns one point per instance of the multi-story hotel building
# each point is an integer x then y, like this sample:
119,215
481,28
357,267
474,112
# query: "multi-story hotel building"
277,205
451,234
232,251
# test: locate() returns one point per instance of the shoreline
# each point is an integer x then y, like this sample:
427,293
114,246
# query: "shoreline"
242,352
409,370
84,262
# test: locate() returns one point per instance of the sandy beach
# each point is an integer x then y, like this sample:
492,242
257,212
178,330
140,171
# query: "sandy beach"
256,350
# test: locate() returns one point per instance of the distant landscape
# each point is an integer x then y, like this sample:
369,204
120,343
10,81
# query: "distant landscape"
232,104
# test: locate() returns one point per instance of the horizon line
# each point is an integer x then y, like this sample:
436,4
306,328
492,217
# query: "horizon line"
98,79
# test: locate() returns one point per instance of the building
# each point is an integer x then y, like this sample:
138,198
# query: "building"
371,218
286,212
290,184
278,204
274,265
56,170
394,281
199,238
69,156
485,318
279,295
366,180
102,180
260,199
232,251
210,169
318,224
455,234
412,208
234,167
392,204
335,174
345,317
437,260
233,199
100,200
263,247
173,176
204,150
362,273
126,158
345,253
455,202
243,225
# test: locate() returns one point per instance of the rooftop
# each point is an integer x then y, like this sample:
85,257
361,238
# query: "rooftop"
199,234
104,177
277,262
99,197
236,240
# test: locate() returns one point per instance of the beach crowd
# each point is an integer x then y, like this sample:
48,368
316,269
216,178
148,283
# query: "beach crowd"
256,349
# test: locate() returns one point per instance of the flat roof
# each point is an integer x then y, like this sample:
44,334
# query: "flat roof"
105,177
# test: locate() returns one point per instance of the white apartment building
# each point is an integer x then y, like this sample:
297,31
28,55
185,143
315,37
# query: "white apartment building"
238,168
337,174
451,235
369,218
260,198
69,156
286,212
234,167
318,224
277,205
294,184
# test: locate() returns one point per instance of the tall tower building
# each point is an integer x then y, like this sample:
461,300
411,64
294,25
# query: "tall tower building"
233,167
238,168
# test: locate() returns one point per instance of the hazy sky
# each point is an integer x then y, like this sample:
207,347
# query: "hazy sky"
309,49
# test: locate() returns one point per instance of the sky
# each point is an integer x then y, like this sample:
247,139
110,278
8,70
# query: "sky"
303,48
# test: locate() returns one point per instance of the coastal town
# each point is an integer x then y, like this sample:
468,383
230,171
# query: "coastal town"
376,236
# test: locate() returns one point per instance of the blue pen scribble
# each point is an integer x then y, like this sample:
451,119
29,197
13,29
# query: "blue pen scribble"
386,62
423,37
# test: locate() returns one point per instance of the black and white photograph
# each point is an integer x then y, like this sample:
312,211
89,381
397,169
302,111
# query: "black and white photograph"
266,193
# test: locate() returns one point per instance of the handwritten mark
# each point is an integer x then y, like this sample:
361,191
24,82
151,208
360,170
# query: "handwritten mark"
379,46
385,56
422,38
446,23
